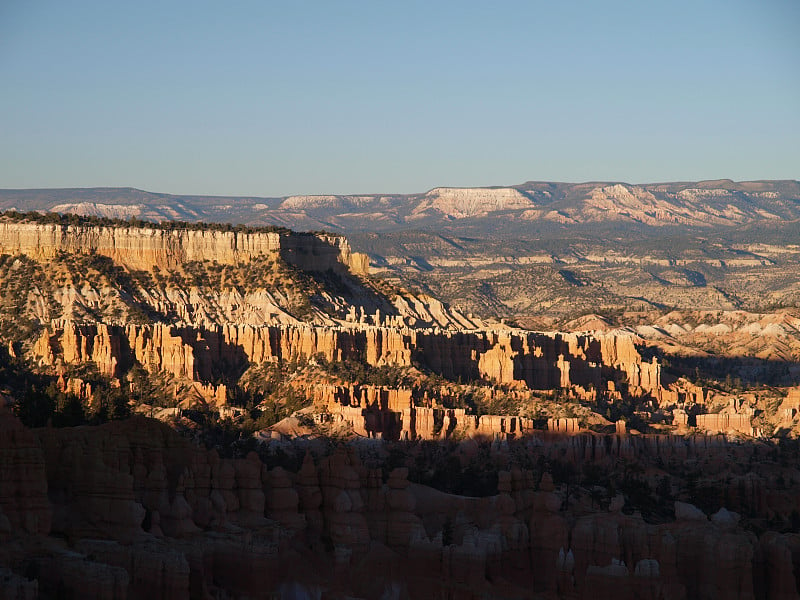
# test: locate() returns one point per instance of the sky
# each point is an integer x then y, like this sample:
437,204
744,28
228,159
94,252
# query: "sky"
263,98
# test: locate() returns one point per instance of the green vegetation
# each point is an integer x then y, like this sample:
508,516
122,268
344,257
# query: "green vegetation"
360,373
73,220
40,402
269,393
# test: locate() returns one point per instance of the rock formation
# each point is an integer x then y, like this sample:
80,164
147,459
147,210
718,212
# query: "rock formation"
470,202
142,248
138,511
23,494
132,509
541,361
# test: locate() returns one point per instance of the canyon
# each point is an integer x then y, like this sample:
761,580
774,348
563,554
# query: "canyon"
217,411
538,253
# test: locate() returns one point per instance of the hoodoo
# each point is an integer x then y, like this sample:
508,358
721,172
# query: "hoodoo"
207,411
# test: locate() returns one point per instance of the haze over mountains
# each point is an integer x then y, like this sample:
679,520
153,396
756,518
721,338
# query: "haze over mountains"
532,207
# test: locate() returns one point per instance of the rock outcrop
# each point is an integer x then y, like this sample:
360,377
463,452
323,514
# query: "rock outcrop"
472,202
24,504
143,248
538,360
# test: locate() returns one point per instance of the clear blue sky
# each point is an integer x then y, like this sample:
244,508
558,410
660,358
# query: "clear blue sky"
298,97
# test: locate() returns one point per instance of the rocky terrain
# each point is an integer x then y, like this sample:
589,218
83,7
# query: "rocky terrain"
131,509
540,253
526,208
214,411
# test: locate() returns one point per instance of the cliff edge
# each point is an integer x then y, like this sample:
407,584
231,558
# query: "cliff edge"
144,247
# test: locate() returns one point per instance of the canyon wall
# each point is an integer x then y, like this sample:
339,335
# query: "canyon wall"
527,359
142,248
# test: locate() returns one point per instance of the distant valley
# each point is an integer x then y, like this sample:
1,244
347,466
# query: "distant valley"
541,253
215,410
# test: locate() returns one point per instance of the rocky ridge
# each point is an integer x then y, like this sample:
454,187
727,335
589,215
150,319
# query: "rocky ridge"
460,203
143,248
703,205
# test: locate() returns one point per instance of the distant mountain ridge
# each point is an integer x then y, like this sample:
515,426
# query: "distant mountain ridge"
531,206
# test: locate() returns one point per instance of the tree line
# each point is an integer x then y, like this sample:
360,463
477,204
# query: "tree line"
75,220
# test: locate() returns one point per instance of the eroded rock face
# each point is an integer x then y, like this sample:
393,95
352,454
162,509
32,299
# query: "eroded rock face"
139,511
525,360
24,505
144,248
343,505
471,202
